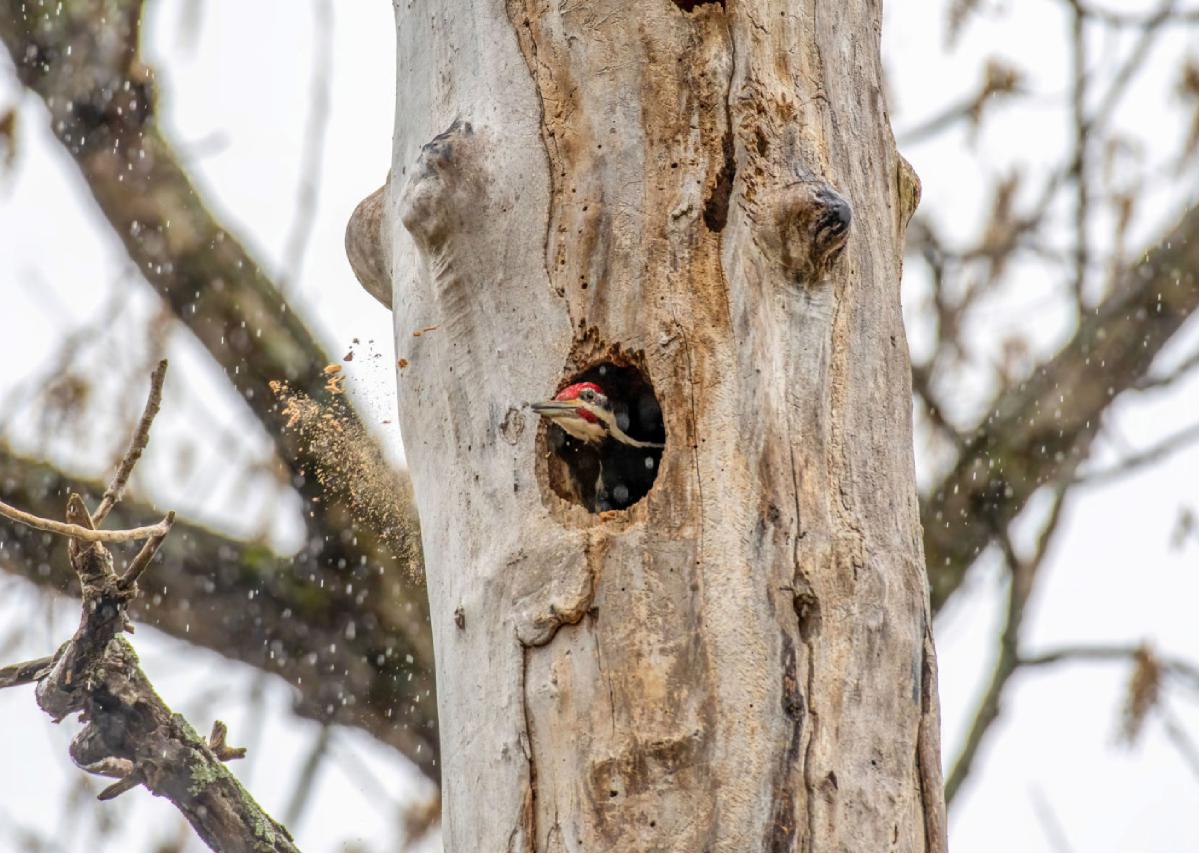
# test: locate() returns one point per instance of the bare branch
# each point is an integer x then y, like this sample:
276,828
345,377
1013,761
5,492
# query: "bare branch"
1037,432
1108,653
1134,62
128,727
1164,448
314,147
23,672
999,79
335,635
128,730
137,444
78,532
1024,574
146,554
1079,162
1114,18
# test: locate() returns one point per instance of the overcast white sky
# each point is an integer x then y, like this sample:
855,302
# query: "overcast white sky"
236,85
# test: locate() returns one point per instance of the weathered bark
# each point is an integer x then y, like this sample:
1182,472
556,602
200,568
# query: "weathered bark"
742,659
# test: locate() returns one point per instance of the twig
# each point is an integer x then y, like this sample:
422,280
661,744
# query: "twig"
1183,369
1079,162
146,554
308,774
933,407
86,335
1134,62
158,530
1048,819
1023,575
23,672
217,742
1179,738
314,146
998,80
346,756
1136,461
1109,653
1140,20
137,445
122,786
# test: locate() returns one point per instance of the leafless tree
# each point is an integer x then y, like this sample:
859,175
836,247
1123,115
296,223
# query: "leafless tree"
345,620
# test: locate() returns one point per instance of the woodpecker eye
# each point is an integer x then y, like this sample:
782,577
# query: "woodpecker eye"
588,395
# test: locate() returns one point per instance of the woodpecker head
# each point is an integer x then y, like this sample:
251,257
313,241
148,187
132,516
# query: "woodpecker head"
576,409
585,412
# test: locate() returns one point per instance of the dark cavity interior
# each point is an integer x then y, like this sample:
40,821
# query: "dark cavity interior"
610,475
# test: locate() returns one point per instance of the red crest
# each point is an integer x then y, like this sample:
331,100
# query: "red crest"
574,391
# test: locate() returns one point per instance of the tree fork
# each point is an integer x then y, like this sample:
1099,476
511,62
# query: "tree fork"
742,659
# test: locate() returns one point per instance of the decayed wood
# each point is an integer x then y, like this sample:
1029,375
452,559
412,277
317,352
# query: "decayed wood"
708,193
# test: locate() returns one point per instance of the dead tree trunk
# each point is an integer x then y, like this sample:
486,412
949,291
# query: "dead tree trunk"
657,196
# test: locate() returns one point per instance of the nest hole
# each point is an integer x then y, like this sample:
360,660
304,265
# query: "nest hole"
610,475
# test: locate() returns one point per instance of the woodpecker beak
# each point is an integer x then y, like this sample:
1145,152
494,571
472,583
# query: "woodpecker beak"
556,408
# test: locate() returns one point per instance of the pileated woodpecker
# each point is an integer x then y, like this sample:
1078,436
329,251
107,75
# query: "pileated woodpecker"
584,411
611,469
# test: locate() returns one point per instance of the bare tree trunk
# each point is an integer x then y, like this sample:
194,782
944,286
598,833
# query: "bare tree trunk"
657,196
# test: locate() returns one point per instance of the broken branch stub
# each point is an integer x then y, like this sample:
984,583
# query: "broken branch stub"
366,248
809,224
